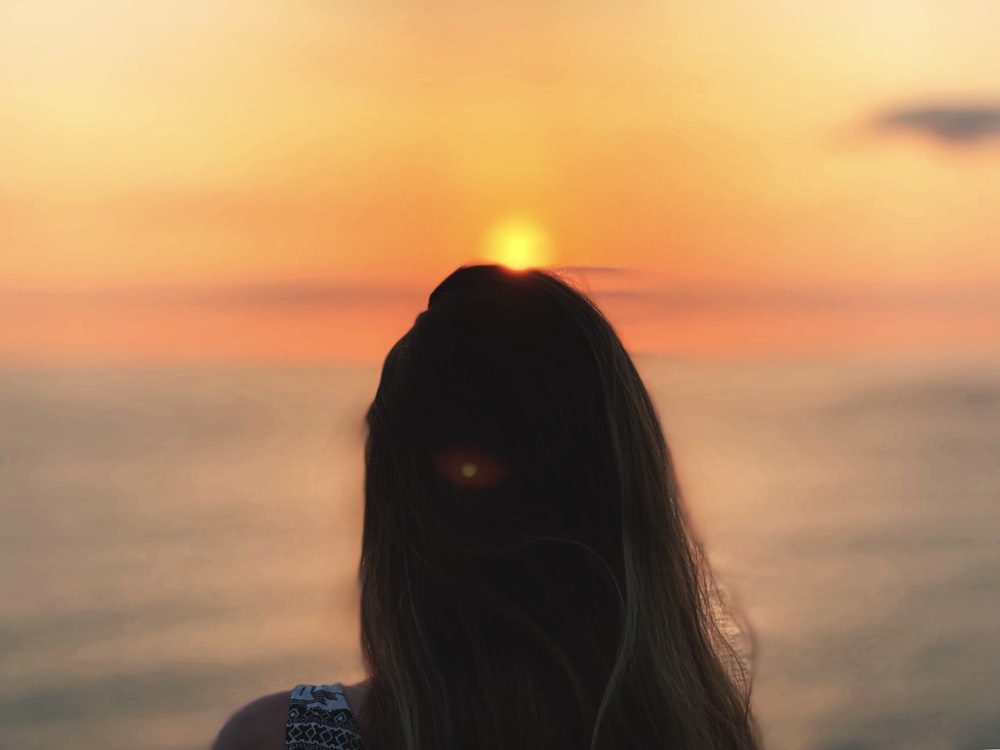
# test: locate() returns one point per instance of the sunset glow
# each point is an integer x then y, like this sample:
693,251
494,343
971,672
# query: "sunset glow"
165,161
519,243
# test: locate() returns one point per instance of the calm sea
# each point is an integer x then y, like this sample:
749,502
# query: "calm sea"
178,541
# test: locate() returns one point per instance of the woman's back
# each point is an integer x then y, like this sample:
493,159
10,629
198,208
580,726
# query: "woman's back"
527,575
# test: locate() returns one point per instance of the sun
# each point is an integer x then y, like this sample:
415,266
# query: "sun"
519,243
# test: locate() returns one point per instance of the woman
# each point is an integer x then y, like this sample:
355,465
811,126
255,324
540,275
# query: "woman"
528,576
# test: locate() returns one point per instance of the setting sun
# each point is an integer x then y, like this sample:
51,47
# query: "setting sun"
519,243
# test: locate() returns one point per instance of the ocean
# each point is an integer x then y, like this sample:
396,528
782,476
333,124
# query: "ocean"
179,540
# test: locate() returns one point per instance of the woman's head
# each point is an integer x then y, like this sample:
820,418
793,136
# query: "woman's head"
525,560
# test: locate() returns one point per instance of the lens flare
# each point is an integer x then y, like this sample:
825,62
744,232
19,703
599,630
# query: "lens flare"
468,466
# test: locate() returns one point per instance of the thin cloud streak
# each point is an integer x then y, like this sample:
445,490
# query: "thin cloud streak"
688,298
268,295
804,299
594,270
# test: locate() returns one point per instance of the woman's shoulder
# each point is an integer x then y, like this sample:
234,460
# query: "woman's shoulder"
259,725
262,724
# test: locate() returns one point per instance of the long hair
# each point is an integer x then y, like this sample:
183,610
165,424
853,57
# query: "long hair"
529,578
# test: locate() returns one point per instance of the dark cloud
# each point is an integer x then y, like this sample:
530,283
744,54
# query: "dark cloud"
953,124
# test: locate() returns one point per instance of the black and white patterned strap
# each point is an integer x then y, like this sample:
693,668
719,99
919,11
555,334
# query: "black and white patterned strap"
320,719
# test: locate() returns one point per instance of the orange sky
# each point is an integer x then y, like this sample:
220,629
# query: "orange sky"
221,180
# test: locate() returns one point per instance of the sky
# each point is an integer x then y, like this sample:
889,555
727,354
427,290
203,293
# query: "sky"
222,181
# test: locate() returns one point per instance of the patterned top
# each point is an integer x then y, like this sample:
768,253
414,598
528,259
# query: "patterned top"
320,719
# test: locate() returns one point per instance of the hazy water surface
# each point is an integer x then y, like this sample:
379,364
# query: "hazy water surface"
176,542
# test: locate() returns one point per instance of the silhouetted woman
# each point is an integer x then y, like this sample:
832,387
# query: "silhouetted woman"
528,578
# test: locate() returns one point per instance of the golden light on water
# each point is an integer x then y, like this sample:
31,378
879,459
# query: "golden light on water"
519,243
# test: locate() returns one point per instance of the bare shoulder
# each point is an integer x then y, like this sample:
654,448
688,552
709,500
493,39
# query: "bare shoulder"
259,725
355,695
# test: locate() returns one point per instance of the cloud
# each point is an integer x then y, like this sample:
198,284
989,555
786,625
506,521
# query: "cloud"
299,293
278,294
597,270
690,298
950,123
693,298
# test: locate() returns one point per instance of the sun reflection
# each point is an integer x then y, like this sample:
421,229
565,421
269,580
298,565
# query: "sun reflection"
519,243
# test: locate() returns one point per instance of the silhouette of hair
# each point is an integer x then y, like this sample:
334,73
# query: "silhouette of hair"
528,576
